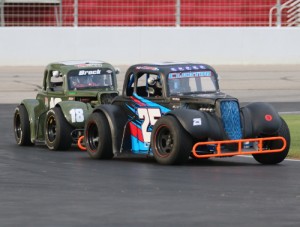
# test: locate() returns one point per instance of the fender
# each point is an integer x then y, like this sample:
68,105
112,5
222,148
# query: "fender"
200,125
34,108
106,97
260,118
75,112
117,119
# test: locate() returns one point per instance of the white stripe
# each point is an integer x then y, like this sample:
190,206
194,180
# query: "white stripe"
287,159
291,112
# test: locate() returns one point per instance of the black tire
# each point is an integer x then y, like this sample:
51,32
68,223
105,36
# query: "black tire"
57,130
275,158
97,135
170,143
22,126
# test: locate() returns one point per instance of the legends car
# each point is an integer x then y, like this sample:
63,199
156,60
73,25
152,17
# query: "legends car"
70,91
176,111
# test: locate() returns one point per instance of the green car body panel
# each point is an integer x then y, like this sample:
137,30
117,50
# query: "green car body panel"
76,104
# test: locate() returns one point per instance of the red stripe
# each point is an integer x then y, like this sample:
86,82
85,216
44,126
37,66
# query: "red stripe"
136,132
137,101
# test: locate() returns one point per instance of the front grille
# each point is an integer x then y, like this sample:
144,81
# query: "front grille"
230,115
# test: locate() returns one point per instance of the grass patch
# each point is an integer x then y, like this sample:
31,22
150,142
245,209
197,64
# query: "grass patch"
293,121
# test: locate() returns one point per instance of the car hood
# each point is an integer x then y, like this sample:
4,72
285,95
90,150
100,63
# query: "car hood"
87,93
208,98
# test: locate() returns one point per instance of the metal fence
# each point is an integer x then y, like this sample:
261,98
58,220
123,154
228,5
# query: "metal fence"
169,13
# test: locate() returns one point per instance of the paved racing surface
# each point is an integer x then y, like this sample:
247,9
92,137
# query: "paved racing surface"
39,187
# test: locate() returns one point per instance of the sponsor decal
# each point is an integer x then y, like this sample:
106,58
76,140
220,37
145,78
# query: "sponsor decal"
268,117
202,67
197,121
189,74
173,69
188,68
148,68
108,71
89,72
46,101
88,65
195,67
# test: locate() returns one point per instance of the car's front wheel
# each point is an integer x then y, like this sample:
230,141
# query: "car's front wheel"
57,130
170,143
275,158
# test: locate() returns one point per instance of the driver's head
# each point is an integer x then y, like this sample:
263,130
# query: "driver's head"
151,81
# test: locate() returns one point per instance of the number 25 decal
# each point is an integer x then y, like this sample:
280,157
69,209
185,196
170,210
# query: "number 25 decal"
77,115
150,117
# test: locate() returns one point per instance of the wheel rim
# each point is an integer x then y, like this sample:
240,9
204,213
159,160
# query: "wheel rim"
18,129
164,141
51,129
93,136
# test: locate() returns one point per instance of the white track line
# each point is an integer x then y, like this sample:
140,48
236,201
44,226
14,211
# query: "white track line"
287,159
291,112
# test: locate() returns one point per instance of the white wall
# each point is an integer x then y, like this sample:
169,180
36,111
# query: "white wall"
39,46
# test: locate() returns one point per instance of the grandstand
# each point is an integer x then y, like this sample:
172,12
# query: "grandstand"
168,13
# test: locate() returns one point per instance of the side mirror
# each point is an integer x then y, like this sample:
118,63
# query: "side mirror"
117,70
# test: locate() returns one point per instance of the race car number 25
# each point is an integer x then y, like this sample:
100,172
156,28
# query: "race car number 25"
150,116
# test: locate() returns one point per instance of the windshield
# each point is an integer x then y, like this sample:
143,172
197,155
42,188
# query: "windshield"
191,82
90,78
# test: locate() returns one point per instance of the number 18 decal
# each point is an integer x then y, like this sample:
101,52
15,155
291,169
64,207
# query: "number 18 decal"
77,115
150,116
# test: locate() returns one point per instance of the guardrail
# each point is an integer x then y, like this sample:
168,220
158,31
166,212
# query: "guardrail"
28,4
289,10
145,13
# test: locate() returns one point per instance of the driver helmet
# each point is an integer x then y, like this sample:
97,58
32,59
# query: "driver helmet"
151,81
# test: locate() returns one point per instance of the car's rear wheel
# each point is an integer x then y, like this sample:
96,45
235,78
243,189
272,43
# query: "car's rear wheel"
97,136
170,143
275,158
22,126
57,130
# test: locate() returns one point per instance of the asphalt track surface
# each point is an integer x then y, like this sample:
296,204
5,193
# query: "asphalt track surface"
39,187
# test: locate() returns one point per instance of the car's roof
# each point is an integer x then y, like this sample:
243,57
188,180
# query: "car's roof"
78,64
171,66
170,63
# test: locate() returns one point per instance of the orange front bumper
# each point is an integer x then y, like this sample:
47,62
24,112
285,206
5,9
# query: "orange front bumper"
240,150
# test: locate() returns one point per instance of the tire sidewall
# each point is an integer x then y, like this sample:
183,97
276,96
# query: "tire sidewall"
63,139
275,158
181,148
51,144
104,147
21,114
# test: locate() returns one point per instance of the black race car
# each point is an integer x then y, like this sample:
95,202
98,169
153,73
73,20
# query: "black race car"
175,111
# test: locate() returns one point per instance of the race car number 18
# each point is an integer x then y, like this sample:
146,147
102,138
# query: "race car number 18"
150,116
77,115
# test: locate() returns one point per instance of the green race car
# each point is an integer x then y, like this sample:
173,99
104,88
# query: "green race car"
70,91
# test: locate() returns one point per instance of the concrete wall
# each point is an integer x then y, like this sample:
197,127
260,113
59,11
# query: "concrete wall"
39,46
